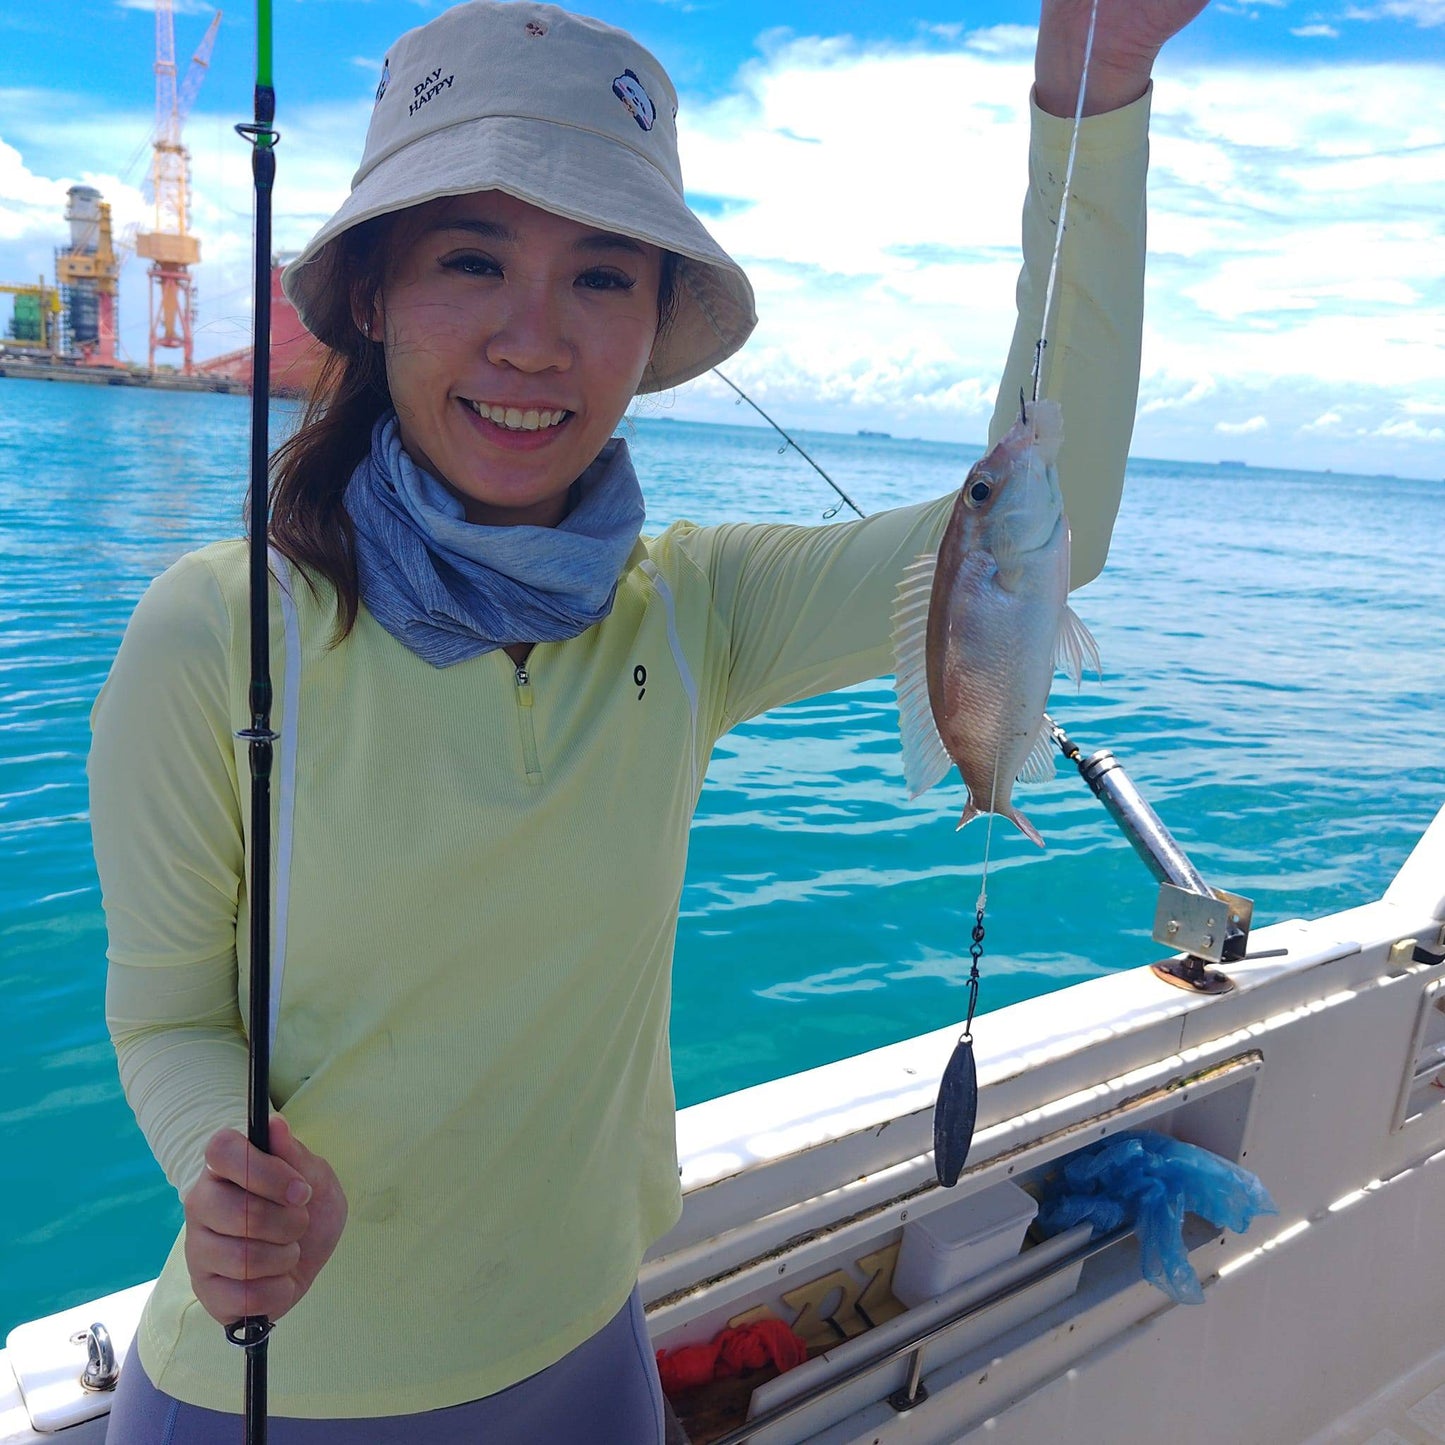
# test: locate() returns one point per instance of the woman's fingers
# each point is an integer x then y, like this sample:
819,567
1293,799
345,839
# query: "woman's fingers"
227,1209
240,1259
232,1157
237,1276
228,1300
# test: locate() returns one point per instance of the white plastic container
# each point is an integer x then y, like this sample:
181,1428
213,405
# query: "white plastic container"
943,1249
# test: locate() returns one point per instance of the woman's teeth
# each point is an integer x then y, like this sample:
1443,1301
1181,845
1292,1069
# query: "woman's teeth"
515,419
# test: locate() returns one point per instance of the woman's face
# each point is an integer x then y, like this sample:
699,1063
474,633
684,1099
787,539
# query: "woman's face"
514,340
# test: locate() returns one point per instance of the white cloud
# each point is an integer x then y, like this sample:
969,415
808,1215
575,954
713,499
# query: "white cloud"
1293,244
1018,40
181,7
1425,13
28,203
1312,32
1410,430
1162,392
1241,428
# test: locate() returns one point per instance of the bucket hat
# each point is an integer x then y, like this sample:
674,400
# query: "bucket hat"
558,110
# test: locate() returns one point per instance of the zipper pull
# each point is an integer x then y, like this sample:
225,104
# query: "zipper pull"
522,678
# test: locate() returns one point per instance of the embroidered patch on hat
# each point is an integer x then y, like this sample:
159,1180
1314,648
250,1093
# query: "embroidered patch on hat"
631,92
536,29
385,79
428,88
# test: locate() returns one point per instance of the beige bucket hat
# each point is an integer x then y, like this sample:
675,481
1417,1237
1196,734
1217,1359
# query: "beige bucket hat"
555,109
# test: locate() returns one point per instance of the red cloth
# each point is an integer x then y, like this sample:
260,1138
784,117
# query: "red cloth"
748,1347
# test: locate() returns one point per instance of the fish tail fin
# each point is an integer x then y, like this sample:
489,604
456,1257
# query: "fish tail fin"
1023,825
972,811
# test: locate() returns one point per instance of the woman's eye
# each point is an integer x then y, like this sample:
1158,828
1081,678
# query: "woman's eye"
605,279
472,265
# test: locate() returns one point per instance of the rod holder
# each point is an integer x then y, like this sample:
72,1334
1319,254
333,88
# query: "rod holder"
1202,924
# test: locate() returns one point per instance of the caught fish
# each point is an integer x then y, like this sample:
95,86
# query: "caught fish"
980,627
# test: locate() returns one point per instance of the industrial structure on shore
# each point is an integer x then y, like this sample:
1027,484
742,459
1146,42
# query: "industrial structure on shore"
75,318
68,329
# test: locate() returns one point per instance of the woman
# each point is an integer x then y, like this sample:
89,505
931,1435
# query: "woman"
497,706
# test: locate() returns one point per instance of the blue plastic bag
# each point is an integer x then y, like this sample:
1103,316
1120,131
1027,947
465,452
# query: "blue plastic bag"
1150,1180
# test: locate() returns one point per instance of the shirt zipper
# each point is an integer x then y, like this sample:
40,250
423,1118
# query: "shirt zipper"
529,736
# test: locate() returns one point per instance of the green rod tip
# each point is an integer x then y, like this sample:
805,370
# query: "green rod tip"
263,42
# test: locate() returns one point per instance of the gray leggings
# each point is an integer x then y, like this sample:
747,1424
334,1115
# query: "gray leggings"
606,1392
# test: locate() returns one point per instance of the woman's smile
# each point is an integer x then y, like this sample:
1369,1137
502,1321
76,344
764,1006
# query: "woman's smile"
517,428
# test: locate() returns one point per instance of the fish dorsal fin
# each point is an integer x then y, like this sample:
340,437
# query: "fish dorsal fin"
1076,646
925,759
1039,765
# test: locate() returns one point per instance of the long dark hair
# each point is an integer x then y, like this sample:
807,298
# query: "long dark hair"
309,471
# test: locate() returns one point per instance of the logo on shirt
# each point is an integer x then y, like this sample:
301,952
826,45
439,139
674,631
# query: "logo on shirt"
639,677
385,79
633,94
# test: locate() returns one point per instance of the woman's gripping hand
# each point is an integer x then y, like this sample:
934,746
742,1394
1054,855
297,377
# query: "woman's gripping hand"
260,1227
1128,40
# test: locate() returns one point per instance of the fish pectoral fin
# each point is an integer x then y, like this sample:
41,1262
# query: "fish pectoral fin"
1075,647
925,759
1038,767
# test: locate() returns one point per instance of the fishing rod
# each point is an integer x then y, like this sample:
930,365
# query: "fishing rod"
743,396
252,1332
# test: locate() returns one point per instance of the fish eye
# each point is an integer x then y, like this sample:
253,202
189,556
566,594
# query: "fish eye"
979,492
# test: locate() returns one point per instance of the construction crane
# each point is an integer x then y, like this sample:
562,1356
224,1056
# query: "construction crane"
170,248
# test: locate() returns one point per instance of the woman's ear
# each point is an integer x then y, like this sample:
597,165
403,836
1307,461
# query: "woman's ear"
368,315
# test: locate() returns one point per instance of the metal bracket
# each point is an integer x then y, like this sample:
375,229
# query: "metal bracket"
915,1392
1201,925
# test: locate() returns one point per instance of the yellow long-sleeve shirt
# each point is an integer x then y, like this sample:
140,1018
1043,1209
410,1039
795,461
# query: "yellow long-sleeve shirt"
483,881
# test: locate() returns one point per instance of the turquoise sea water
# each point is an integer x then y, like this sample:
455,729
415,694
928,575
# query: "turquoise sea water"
1272,650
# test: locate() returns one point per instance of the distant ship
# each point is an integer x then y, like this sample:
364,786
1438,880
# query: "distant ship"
887,436
1232,463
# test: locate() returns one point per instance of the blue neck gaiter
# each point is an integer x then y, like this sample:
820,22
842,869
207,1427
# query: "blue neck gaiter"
450,589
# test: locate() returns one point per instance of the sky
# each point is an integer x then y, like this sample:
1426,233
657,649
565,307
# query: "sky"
865,161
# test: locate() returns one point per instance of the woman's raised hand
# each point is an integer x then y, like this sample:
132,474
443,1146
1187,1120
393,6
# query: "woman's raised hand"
1127,39
259,1227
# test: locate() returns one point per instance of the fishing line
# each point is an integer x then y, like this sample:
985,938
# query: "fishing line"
1064,201
252,1332
955,1112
